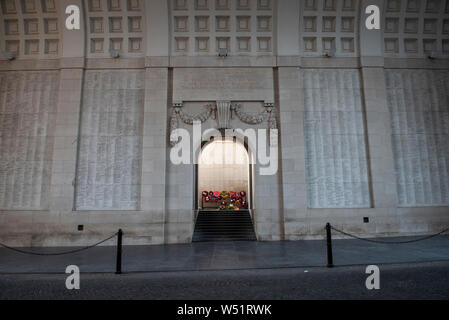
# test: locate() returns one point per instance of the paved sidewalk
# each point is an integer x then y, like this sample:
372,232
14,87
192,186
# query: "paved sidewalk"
229,255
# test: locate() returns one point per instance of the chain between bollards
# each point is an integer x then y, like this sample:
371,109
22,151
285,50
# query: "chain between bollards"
118,269
330,258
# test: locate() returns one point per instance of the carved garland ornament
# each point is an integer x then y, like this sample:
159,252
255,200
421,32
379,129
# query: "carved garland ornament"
223,111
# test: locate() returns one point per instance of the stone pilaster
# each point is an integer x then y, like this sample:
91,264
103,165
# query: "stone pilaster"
154,147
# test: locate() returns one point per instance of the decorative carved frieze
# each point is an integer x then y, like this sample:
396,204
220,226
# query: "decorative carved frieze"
223,112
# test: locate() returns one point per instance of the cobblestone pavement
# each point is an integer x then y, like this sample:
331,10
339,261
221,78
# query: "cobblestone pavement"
428,280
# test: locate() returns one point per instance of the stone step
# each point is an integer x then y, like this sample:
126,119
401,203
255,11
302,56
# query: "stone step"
224,226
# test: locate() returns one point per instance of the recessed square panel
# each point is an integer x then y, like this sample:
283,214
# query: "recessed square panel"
96,25
134,24
222,23
329,5
347,24
13,46
244,23
243,4
31,47
223,43
445,46
429,45
48,6
133,5
411,25
391,45
264,44
97,45
263,4
182,44
393,5
349,5
31,26
329,44
222,4
413,5
411,45
244,44
202,44
310,5
446,26
135,45
202,24
328,24
310,24
115,25
51,46
181,24
392,25
95,5
114,5
11,27
202,4
116,44
51,25
264,23
29,6
310,44
180,4
430,26
8,6
433,6
347,45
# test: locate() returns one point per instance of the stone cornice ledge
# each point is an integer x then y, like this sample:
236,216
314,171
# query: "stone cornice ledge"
72,63
418,63
372,62
337,63
288,61
157,62
110,63
228,62
30,65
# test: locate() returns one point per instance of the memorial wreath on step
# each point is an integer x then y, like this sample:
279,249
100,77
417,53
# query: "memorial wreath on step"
225,200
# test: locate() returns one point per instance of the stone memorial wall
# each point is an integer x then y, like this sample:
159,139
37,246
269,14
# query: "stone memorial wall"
108,173
27,124
336,163
419,107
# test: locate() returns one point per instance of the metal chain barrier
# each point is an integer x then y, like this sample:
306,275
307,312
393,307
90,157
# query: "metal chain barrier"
59,253
329,228
391,242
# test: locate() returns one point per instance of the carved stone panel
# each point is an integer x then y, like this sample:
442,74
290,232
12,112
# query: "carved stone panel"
336,162
28,102
419,106
110,149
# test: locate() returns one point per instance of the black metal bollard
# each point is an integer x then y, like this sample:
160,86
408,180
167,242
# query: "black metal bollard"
118,268
330,258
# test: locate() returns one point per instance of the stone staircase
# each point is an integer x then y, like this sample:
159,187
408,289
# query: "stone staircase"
224,226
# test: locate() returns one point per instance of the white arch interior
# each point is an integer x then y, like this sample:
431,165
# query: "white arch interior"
223,165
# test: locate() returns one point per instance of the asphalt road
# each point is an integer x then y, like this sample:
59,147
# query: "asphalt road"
402,281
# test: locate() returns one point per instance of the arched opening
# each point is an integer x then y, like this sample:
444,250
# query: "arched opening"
224,192
224,165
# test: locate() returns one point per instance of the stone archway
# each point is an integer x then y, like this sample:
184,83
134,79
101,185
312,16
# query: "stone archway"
223,165
241,121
